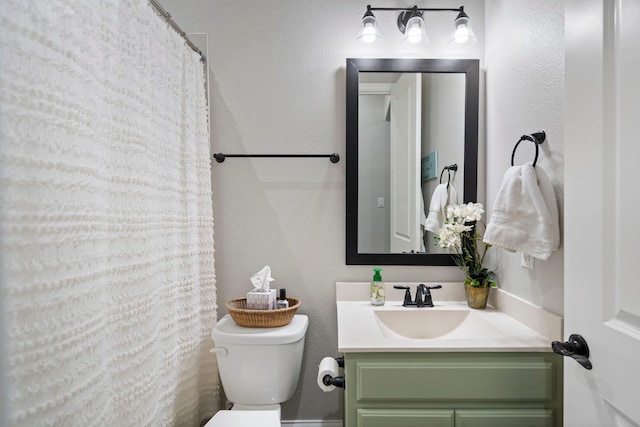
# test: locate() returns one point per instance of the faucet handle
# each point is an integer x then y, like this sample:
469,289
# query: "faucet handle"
407,294
434,287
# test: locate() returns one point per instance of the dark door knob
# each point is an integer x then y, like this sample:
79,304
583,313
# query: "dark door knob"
576,348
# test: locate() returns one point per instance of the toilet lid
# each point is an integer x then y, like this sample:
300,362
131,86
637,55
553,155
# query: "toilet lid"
226,331
244,418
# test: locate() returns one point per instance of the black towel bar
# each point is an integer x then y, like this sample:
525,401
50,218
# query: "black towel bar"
220,157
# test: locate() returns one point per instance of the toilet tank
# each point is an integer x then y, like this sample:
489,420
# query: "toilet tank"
259,366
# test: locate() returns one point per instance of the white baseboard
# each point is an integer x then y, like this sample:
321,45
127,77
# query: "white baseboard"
312,423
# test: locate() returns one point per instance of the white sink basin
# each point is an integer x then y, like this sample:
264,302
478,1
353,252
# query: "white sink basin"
419,323
429,323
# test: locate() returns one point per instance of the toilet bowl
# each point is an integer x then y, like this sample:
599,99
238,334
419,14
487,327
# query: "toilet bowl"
259,369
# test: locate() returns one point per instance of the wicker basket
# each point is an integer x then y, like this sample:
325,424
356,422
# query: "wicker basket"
261,318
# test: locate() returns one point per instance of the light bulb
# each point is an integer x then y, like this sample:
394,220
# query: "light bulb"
461,35
414,35
369,33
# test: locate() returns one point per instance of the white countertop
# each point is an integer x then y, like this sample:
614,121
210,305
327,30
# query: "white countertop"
361,330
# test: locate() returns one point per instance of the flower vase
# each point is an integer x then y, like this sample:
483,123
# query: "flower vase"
477,297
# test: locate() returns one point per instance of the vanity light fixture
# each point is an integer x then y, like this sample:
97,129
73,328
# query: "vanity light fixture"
411,24
463,33
369,31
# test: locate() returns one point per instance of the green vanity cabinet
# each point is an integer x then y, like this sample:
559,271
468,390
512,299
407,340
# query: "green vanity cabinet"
459,389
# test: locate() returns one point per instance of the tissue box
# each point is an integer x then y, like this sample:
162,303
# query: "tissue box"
261,300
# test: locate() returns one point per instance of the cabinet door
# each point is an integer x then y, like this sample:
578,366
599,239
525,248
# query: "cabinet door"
504,418
478,377
405,418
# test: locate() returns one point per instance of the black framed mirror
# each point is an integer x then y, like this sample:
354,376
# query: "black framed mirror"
370,191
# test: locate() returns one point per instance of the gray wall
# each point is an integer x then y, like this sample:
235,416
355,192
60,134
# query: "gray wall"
373,162
525,93
277,84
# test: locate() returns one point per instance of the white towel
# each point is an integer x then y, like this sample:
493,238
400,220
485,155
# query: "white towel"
525,214
438,207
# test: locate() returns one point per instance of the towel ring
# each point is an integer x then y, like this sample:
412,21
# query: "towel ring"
537,138
453,167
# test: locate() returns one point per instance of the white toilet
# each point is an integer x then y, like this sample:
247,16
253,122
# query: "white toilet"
259,369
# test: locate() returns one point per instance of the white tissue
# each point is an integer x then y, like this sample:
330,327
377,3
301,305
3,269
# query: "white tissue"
328,366
262,279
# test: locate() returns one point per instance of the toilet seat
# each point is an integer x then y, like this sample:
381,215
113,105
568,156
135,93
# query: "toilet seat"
244,418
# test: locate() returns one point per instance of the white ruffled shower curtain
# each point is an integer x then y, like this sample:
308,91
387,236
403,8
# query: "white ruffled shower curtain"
107,284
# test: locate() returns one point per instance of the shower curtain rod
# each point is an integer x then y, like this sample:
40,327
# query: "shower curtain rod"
167,17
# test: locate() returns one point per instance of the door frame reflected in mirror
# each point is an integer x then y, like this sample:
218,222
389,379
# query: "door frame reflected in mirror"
471,69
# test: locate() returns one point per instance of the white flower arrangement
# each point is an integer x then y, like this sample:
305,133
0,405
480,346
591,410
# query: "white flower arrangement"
460,236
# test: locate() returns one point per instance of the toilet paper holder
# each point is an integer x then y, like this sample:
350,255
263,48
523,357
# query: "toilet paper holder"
335,381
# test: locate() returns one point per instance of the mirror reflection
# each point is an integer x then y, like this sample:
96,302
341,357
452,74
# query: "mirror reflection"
410,127
411,148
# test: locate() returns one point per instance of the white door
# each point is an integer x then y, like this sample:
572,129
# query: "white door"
602,207
405,164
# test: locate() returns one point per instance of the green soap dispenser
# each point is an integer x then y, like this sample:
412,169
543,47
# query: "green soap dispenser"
377,288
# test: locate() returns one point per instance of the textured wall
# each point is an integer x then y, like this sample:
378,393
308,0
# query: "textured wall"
277,85
525,93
